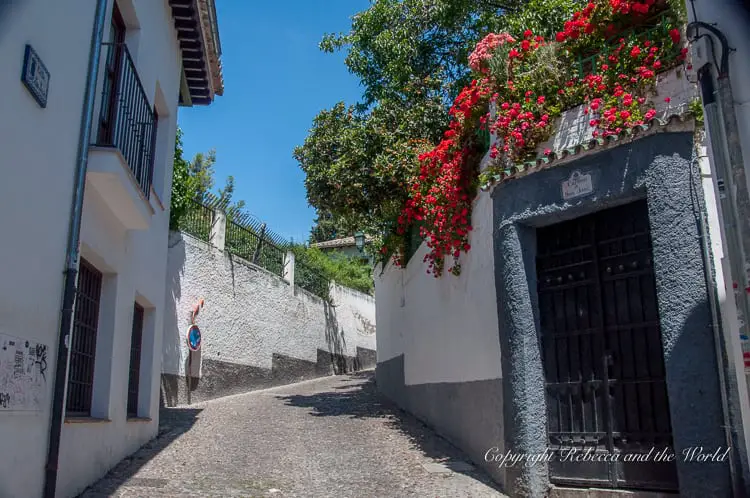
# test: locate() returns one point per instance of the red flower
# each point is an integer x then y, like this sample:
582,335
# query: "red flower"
667,100
560,37
624,114
675,36
525,45
635,52
528,34
540,100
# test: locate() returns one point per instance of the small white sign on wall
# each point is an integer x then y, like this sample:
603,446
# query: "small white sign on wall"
23,374
577,185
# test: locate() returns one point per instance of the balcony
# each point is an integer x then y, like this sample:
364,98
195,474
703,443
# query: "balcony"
121,160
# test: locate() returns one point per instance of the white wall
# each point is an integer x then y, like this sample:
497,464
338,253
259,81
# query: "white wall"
38,162
135,262
249,314
446,328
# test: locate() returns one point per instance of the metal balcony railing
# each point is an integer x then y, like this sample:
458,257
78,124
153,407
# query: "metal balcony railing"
127,120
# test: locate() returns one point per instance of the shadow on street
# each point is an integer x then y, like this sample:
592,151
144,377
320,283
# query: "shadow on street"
173,422
360,398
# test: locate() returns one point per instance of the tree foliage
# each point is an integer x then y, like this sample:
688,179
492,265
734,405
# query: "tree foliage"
411,59
193,180
327,227
395,43
354,273
183,185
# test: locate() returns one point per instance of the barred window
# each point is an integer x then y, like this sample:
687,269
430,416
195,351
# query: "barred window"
135,360
83,342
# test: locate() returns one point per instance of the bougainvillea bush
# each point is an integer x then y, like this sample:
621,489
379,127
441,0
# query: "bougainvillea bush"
605,57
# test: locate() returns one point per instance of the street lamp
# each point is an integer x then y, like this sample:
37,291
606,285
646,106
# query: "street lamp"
359,241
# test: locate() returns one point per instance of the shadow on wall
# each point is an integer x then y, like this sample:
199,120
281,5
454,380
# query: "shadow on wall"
336,341
368,328
171,349
358,397
173,422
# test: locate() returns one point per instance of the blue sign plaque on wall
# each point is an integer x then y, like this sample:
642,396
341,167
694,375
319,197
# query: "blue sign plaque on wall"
194,338
35,76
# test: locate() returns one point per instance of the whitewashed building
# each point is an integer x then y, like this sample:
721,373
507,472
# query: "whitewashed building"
593,272
91,91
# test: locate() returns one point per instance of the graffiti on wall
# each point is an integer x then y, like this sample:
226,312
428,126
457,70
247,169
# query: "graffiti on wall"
23,374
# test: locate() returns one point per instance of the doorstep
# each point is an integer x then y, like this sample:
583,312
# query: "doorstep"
559,492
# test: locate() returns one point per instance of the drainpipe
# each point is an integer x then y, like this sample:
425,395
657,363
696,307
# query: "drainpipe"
72,253
730,405
734,201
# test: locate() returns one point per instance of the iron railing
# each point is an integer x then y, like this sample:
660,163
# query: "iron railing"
128,119
311,280
197,220
255,247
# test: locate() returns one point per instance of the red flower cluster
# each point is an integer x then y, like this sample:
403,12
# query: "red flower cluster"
440,197
628,6
484,49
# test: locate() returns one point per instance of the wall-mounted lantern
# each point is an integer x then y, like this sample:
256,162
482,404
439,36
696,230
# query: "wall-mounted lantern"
359,241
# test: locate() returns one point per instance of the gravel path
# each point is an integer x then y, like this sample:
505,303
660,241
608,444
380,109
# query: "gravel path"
328,437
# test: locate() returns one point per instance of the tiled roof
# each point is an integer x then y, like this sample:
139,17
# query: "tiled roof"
674,122
342,242
573,136
198,35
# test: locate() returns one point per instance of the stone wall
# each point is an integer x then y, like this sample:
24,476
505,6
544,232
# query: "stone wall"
257,329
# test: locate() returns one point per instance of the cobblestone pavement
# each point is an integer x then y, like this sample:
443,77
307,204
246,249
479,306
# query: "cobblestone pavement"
328,437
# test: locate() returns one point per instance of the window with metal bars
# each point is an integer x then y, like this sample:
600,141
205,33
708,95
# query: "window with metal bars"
83,342
135,360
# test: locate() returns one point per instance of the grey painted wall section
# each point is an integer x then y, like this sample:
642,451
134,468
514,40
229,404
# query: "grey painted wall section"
659,168
523,373
256,330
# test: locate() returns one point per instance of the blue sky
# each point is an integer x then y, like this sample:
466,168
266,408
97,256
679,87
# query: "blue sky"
276,80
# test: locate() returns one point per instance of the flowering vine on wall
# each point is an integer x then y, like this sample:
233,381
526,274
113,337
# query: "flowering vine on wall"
606,58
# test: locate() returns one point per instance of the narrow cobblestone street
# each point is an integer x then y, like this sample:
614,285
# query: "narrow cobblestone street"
328,437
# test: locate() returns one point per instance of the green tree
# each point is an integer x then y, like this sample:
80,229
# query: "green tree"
411,58
194,180
184,186
316,268
397,42
327,227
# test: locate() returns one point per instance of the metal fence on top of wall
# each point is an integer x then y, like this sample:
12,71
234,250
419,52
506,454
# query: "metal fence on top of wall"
244,236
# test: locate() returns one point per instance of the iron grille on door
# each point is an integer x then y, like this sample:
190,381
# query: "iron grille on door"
135,360
83,344
603,359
